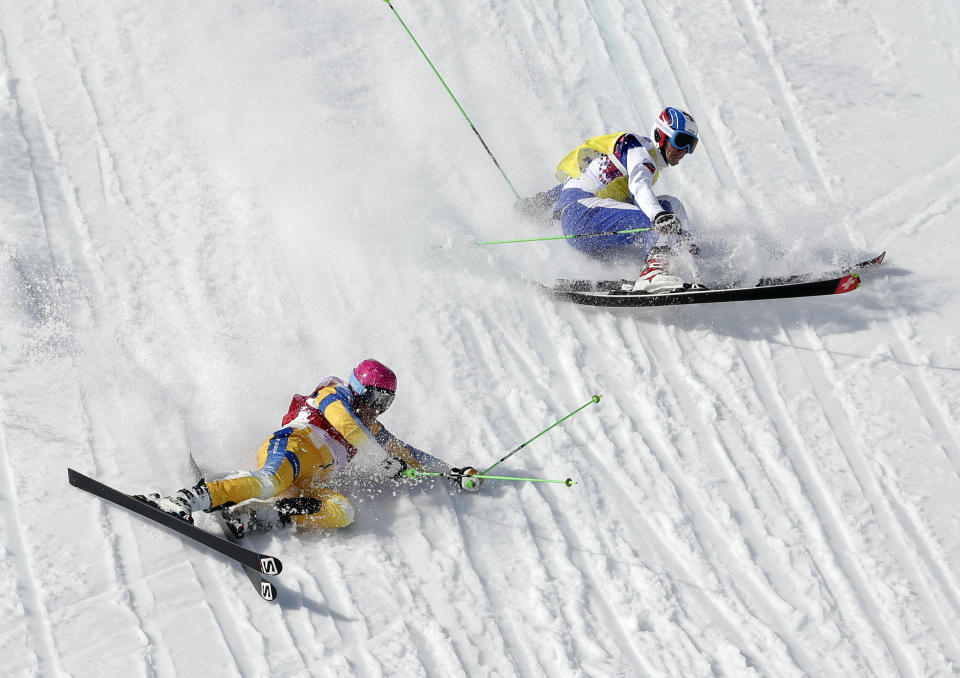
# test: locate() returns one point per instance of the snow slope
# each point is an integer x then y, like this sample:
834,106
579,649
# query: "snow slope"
207,207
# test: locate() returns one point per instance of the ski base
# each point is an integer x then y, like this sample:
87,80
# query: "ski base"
259,562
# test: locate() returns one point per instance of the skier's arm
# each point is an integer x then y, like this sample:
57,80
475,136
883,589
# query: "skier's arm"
641,173
420,460
410,455
344,420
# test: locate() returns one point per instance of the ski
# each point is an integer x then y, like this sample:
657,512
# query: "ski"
266,589
800,277
262,563
612,292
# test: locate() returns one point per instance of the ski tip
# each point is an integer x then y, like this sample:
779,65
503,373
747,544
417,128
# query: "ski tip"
267,590
270,565
848,283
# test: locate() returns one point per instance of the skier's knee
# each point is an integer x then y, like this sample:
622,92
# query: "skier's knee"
335,511
674,206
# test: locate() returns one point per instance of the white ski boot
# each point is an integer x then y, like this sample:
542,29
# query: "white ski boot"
655,277
183,503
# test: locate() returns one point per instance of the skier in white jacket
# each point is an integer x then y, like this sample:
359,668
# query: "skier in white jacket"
607,187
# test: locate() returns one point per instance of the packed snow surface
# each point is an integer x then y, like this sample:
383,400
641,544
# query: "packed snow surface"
206,207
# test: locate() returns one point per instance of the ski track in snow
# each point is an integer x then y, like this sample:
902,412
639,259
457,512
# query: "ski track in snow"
39,648
855,466
764,489
28,623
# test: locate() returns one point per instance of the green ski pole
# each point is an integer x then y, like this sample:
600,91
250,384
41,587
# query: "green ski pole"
465,116
594,399
414,473
564,237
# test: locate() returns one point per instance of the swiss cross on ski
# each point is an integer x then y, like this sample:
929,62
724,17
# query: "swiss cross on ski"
848,283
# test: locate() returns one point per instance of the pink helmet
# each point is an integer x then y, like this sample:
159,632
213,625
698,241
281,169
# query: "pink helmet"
374,384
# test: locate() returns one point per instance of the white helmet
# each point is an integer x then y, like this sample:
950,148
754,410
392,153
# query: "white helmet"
678,127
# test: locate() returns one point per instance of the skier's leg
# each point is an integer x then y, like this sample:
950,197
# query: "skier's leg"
279,466
281,461
583,213
335,510
659,273
320,507
674,206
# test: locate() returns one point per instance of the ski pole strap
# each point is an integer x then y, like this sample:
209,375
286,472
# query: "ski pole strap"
594,399
413,473
564,237
442,82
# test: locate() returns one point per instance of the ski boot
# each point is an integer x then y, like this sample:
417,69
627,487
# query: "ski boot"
655,277
260,516
183,503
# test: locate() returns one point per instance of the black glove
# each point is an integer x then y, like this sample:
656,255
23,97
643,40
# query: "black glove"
665,222
393,467
461,476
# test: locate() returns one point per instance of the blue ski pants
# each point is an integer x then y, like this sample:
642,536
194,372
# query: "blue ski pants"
581,212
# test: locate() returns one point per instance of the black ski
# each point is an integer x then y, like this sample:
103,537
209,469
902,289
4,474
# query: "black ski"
265,588
612,292
261,563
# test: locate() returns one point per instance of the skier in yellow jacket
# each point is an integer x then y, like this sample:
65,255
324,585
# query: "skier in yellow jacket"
322,434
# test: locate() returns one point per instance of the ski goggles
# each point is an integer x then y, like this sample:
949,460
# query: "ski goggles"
374,397
379,399
684,141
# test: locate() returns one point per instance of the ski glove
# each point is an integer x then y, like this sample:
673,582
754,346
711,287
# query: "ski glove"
393,467
461,476
664,222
